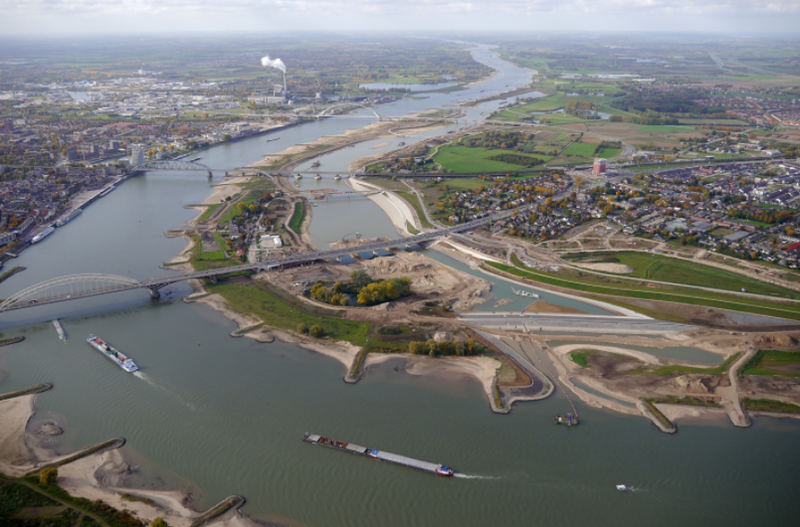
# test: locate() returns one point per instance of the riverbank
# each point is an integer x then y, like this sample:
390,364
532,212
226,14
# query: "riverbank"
95,477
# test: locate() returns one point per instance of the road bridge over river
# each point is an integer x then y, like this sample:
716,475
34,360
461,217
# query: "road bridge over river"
73,287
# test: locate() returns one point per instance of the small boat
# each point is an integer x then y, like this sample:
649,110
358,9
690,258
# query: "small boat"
315,164
569,420
524,293
624,488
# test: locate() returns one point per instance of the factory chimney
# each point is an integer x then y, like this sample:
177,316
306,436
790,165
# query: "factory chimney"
284,84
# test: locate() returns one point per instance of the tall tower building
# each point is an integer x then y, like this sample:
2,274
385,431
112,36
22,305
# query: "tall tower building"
137,155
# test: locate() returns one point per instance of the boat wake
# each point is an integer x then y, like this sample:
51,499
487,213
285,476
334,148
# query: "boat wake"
146,378
473,476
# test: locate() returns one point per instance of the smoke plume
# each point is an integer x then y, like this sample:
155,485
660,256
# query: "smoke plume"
276,63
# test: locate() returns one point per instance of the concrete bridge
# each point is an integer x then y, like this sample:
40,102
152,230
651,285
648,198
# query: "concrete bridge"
73,287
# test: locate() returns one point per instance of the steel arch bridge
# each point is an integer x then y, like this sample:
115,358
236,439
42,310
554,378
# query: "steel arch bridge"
170,164
69,288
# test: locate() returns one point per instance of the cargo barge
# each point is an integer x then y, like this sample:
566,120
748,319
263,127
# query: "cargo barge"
113,354
60,330
433,468
72,216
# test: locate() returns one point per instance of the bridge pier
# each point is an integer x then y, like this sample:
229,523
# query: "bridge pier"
154,294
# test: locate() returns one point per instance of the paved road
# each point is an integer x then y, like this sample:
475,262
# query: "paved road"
577,323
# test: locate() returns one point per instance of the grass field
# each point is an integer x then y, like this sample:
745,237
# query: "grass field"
298,216
663,269
208,212
769,405
665,128
462,159
773,362
414,201
279,309
607,153
670,293
581,149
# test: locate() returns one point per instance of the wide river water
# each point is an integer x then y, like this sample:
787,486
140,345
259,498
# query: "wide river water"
218,415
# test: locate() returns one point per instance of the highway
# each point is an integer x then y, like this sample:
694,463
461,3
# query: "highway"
573,323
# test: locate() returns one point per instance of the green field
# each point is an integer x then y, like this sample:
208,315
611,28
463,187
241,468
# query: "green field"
298,216
663,269
666,128
769,405
464,160
609,286
607,153
414,201
773,362
581,150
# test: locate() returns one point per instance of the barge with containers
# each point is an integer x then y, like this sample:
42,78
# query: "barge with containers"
397,459
113,354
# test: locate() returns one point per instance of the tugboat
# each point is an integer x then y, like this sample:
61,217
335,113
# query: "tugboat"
569,420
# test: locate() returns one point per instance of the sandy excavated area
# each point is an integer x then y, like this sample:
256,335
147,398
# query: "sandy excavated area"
607,267
431,279
484,369
16,457
543,306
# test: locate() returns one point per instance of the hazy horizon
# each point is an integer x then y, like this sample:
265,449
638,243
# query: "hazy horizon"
69,17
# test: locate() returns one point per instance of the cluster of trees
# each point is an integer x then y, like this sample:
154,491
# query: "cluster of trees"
673,102
369,291
645,119
445,347
384,291
330,295
516,159
315,331
762,216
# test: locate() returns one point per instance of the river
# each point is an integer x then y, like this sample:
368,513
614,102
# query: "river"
219,415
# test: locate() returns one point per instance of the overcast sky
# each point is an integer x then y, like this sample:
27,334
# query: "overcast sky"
135,16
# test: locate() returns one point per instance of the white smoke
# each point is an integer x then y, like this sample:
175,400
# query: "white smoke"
276,63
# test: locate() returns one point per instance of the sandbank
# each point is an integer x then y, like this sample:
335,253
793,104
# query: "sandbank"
640,355
16,457
398,211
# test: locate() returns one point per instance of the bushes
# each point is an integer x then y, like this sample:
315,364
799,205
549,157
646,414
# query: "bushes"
445,347
48,476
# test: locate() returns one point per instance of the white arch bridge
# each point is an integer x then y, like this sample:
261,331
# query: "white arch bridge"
72,287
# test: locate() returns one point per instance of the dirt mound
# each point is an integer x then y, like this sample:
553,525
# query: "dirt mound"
778,340
353,242
607,267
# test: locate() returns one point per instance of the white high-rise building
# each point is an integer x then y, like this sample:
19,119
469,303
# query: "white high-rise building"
137,155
